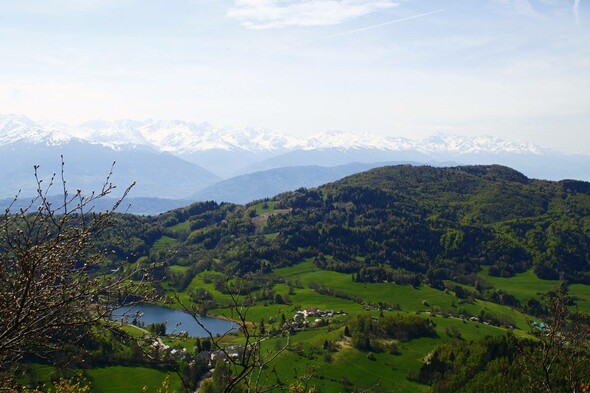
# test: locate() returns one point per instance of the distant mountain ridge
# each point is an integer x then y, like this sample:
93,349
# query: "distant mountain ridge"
182,137
136,206
156,174
266,184
180,160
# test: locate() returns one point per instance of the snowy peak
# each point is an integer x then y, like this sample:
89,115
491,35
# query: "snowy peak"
118,135
438,143
337,140
177,136
257,139
482,144
350,141
18,128
181,137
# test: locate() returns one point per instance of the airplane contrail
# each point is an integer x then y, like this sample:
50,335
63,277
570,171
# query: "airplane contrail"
391,22
577,10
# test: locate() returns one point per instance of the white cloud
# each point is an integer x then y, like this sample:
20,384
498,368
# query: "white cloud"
274,14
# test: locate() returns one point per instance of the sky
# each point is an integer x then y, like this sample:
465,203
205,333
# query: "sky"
516,69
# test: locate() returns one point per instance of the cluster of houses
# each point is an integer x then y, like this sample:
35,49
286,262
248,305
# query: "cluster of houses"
300,320
161,350
211,357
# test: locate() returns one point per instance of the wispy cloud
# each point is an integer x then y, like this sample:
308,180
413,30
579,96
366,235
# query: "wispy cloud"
276,14
391,22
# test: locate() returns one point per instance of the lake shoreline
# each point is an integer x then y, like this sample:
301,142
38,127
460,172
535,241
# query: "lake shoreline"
176,320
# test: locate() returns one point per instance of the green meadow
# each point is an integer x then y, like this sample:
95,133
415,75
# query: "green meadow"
581,294
164,243
523,286
527,285
349,367
115,379
111,379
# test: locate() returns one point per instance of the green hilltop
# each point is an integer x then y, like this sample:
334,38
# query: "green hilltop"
399,223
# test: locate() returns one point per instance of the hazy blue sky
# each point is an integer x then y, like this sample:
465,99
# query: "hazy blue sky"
518,69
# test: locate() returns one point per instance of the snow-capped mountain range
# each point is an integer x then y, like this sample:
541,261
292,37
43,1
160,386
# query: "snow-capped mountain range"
192,161
181,137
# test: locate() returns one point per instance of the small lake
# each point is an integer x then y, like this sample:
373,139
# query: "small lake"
176,321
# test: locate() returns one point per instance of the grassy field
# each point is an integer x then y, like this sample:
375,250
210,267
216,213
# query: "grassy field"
335,372
387,372
37,374
113,379
409,298
183,227
303,297
117,379
581,293
164,243
262,207
134,331
523,286
349,368
177,269
527,285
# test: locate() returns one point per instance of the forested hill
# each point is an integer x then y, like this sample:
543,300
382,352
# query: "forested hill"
401,223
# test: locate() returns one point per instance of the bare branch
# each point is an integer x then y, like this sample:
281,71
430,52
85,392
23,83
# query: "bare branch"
250,367
49,270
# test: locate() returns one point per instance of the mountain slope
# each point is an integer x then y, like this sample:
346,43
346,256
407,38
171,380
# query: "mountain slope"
336,157
266,184
86,167
431,223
